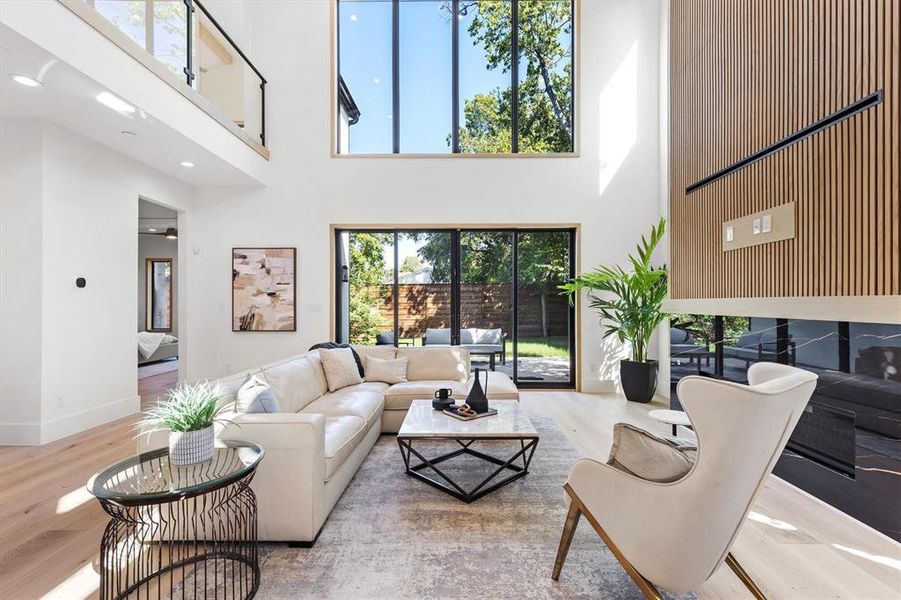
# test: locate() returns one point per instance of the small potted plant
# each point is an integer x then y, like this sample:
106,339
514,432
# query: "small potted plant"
629,302
189,413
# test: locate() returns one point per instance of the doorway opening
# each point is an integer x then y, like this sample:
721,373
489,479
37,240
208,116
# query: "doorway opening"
157,314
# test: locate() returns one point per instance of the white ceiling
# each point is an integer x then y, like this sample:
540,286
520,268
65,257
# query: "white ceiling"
154,216
68,98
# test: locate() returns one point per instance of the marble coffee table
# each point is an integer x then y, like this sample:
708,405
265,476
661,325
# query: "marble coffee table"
424,424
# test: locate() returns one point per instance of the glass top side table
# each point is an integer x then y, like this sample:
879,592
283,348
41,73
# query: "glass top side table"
180,530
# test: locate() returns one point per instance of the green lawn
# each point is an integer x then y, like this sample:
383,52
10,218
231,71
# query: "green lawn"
551,347
536,347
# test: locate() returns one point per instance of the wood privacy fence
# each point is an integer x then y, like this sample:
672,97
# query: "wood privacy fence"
488,306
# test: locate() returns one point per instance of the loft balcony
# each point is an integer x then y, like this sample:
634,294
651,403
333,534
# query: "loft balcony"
189,85
193,49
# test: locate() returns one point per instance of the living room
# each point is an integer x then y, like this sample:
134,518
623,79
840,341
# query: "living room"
451,275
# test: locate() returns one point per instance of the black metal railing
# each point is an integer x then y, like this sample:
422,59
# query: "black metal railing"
186,38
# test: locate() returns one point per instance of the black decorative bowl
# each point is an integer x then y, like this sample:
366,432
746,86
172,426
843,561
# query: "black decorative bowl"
439,404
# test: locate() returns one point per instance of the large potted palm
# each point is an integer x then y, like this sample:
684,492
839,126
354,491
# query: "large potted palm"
629,302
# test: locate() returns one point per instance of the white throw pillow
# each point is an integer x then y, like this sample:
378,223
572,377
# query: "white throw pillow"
255,396
340,368
386,371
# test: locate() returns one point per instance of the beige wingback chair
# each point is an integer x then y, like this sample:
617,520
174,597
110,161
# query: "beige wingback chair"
676,535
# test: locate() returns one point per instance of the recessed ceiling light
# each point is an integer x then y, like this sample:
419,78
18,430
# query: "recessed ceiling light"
353,17
151,230
116,103
26,80
187,163
376,80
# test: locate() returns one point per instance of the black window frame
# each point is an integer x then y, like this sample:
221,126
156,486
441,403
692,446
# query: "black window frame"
455,82
455,283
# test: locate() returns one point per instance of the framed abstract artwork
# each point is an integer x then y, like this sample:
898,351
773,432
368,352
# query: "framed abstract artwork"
263,289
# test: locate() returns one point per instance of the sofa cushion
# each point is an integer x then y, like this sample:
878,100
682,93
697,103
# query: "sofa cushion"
364,400
649,457
500,387
437,337
229,386
333,345
430,364
342,435
255,396
383,352
386,371
400,395
296,382
340,368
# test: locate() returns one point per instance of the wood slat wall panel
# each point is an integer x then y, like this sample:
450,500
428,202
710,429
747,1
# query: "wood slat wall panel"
747,73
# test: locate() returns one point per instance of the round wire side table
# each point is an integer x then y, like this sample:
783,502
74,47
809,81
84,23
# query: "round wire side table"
180,531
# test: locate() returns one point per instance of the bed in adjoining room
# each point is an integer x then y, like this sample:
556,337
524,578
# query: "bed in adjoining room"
155,346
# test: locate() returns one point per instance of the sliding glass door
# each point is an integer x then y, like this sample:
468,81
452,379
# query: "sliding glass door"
544,324
486,297
493,291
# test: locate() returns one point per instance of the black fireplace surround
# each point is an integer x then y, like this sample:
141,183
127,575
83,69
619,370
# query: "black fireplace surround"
846,449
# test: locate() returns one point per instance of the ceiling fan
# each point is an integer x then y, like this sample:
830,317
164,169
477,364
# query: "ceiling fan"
171,233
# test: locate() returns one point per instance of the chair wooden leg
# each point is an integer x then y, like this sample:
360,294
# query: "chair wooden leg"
647,588
745,578
569,529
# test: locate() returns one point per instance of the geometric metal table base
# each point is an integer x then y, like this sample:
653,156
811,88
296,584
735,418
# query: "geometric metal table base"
211,538
488,485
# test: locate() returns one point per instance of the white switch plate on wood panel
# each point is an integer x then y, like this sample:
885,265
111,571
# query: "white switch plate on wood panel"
750,230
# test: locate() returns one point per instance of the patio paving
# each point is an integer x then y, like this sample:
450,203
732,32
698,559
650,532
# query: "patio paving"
532,369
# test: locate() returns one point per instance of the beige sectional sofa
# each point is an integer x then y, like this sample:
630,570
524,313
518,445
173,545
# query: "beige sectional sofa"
319,440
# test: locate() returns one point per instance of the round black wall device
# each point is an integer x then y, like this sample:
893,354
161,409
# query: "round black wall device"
80,282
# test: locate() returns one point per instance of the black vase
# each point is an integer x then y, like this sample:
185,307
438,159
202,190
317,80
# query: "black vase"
639,379
477,400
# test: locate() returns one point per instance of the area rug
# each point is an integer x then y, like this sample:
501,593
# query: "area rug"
391,536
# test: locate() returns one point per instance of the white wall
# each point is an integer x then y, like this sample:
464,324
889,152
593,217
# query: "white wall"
89,201
612,189
20,282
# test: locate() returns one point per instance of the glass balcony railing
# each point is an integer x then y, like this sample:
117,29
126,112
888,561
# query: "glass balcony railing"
184,36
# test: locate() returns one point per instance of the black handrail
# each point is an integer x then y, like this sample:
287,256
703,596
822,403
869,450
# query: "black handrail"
189,70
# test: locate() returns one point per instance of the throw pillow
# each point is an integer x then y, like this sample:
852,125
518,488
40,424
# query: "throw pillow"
255,396
647,456
330,345
340,368
386,370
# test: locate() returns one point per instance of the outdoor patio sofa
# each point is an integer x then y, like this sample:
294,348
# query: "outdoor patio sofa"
484,342
758,346
683,345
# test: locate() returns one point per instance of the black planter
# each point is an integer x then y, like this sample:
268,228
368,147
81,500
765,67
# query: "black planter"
639,379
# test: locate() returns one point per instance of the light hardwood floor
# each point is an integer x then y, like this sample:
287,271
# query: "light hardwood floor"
794,546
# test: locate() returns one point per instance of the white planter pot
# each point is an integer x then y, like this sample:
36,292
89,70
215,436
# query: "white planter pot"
191,447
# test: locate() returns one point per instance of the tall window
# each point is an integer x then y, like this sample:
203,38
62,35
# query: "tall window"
455,76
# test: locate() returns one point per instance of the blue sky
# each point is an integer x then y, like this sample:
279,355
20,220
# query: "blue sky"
425,73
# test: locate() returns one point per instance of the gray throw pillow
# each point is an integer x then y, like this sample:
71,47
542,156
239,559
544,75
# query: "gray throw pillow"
255,396
649,457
